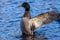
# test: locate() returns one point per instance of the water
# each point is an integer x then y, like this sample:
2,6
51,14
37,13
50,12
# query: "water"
10,15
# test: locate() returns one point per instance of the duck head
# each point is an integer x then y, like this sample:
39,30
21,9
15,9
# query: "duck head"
26,6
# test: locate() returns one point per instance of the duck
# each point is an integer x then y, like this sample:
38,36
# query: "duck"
28,24
26,17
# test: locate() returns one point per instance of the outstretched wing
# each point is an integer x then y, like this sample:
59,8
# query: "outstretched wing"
44,18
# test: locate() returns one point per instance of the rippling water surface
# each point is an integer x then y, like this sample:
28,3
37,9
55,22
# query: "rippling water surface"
10,16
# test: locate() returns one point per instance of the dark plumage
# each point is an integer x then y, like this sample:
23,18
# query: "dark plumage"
26,6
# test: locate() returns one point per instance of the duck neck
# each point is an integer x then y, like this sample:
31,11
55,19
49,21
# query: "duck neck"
27,9
27,13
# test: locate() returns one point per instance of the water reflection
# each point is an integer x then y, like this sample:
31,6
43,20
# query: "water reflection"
36,37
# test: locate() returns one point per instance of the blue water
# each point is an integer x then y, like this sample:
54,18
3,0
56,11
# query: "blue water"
10,16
